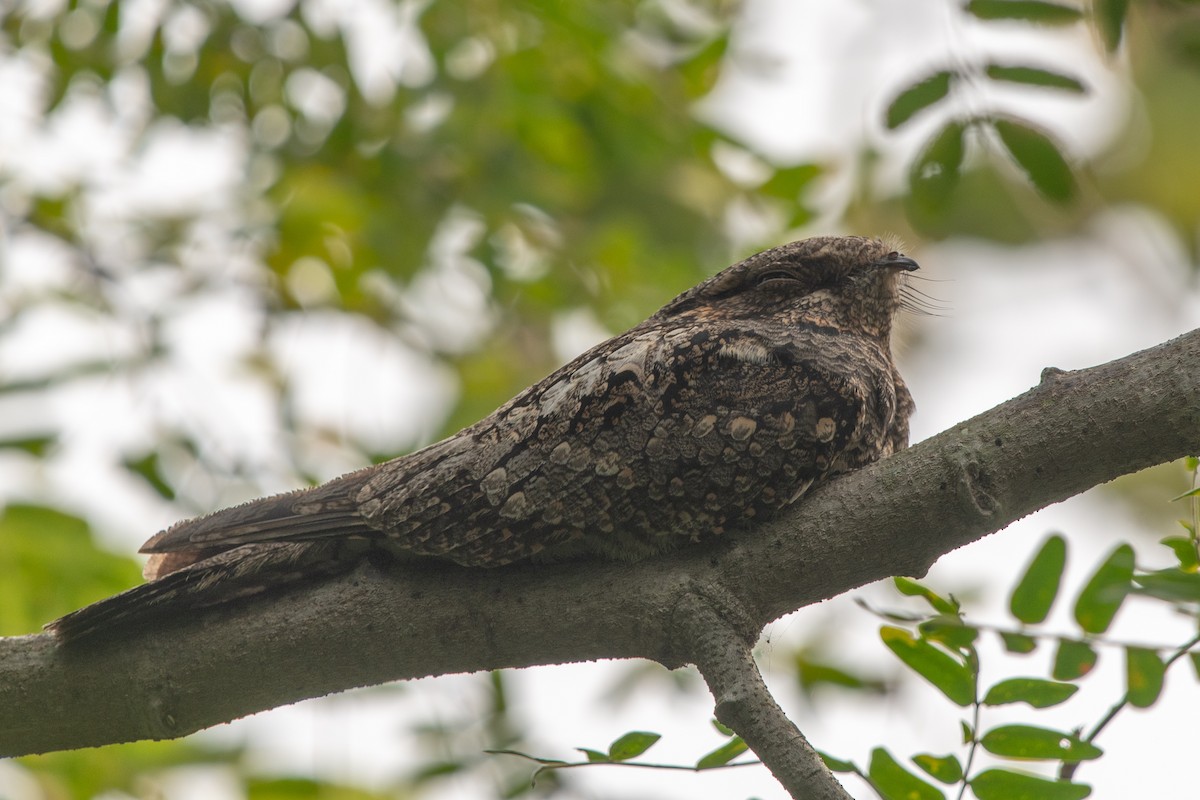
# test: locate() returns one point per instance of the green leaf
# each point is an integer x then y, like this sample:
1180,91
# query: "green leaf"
911,588
917,97
812,674
1188,493
950,631
1024,10
1036,692
1035,592
936,170
1038,155
1034,76
1106,591
34,445
1110,19
723,754
1018,642
1172,585
837,764
788,183
632,744
594,756
434,769
948,674
1184,550
1194,657
946,769
968,734
1144,672
50,565
722,728
1073,660
1028,741
310,789
148,468
1003,784
894,782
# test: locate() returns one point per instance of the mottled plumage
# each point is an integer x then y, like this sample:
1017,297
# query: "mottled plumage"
726,405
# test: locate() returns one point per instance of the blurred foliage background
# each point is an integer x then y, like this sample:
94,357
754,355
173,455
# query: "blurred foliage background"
247,245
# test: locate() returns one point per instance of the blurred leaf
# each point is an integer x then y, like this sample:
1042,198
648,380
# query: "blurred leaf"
968,733
1024,10
147,468
945,672
894,782
1028,741
723,754
1002,784
911,588
946,769
837,764
1035,592
1033,76
935,171
594,756
1036,692
1073,660
36,445
1172,585
917,97
51,566
950,631
1110,19
1018,642
788,183
632,744
1039,156
117,769
436,769
1185,552
812,674
1105,591
307,789
1188,493
1144,673
1194,657
701,70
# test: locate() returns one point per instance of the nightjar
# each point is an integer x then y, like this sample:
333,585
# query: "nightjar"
725,406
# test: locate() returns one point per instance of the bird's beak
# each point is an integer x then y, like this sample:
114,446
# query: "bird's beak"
898,261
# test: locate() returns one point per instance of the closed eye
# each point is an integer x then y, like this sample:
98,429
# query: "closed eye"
777,277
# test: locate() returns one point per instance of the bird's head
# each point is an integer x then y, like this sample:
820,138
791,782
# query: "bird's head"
848,283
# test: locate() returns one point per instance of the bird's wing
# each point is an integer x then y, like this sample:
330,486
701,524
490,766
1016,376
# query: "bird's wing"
653,438
659,437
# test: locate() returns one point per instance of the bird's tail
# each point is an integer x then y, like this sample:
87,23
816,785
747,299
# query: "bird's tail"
229,575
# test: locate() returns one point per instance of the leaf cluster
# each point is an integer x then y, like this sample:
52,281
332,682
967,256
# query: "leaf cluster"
935,172
941,646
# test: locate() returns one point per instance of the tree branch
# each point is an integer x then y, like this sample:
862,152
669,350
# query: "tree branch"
377,624
744,703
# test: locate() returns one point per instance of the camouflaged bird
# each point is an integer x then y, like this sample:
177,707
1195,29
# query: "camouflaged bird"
725,406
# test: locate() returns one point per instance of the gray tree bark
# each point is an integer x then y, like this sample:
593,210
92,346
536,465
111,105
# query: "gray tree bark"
1071,432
